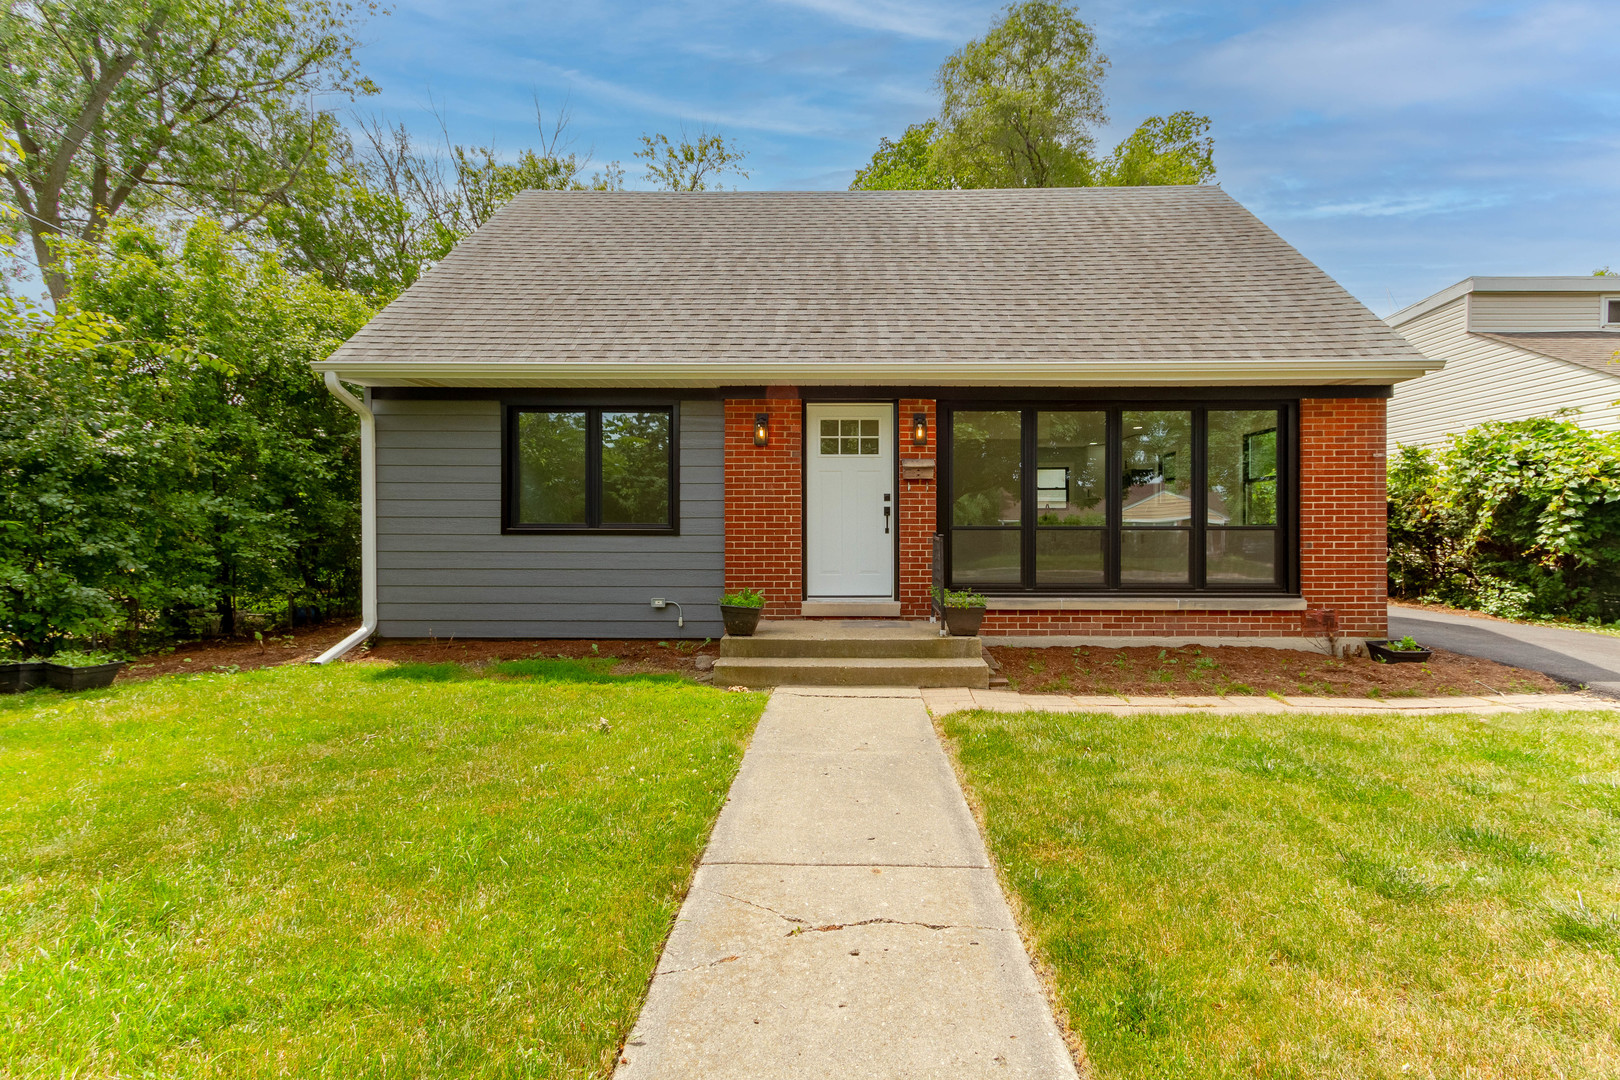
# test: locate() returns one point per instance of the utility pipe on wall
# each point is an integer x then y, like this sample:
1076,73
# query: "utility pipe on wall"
368,522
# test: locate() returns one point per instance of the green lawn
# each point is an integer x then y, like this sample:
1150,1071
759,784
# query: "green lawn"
1335,896
351,871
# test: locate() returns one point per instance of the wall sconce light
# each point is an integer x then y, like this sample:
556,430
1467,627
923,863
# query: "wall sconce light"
919,430
762,429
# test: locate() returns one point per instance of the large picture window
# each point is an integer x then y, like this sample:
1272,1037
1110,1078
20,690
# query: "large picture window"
609,469
1155,498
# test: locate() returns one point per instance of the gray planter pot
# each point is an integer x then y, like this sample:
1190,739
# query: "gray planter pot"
82,678
1380,651
21,676
963,621
741,621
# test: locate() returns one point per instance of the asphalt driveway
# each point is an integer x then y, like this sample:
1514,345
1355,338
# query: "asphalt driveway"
1572,656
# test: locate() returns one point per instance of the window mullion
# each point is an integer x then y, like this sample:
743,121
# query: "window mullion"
1198,543
593,468
1026,478
1114,462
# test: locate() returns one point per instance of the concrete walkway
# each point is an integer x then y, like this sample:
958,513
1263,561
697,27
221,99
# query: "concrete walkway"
1570,656
845,920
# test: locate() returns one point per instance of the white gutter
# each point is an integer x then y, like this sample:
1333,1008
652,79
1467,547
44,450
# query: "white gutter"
1369,371
368,522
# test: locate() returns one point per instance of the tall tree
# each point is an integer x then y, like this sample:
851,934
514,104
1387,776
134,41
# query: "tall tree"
1019,107
691,165
907,164
115,105
1173,150
381,206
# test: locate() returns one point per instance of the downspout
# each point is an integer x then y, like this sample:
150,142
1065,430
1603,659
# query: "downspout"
368,522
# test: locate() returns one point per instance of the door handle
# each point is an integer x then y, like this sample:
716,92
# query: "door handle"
886,511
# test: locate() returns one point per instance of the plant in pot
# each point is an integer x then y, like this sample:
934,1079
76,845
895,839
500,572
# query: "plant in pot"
741,611
19,675
1404,651
74,670
964,611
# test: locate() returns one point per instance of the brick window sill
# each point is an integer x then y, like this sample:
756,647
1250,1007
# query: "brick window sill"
1145,603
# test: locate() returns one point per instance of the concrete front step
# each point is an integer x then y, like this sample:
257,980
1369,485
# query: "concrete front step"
757,671
910,647
869,639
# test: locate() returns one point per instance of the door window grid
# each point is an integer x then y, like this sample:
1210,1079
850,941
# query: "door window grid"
849,438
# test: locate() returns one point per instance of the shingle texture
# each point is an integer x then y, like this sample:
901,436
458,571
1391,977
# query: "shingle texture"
1126,275
1593,349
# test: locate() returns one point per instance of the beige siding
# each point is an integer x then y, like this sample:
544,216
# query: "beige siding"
1488,380
1506,313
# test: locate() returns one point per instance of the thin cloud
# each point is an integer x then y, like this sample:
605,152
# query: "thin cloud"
1389,55
784,115
923,21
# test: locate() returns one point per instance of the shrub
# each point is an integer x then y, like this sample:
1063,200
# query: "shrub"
1513,518
165,447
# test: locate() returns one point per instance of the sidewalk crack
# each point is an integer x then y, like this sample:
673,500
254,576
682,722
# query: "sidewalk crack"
802,926
696,967
762,907
892,922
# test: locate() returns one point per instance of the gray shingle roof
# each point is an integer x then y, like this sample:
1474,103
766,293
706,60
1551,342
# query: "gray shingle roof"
1121,276
1593,349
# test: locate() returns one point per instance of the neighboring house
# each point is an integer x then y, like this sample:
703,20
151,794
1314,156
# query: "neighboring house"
1514,347
1128,411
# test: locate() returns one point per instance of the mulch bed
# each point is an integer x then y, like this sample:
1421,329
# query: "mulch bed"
303,645
1229,669
636,657
1190,670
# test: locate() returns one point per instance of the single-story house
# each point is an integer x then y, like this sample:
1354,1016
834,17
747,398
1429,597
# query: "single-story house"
1514,348
1123,411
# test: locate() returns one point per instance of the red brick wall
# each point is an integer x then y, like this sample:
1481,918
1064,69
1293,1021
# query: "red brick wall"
765,502
1342,528
1147,623
918,516
1343,506
1342,536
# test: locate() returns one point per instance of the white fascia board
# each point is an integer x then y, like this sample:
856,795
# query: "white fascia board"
1428,304
1361,372
1547,284
1586,283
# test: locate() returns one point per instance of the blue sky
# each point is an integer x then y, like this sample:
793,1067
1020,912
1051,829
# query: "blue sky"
1400,145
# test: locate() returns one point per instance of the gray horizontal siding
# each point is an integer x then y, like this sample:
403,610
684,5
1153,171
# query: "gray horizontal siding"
444,568
421,519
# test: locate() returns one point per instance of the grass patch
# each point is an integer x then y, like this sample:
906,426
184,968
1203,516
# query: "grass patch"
1286,896
355,871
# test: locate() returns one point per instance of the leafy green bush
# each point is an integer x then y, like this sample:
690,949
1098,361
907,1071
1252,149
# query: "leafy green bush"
743,598
165,448
1518,519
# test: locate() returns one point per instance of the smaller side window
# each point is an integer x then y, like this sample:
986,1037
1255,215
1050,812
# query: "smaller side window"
1611,311
592,468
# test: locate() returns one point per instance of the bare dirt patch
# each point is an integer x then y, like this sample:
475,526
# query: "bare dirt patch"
1195,670
239,654
301,646
636,657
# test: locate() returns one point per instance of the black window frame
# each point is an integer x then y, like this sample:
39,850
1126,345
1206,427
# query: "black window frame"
593,411
1286,580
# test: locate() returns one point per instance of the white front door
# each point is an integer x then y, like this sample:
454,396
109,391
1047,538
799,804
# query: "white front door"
850,508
